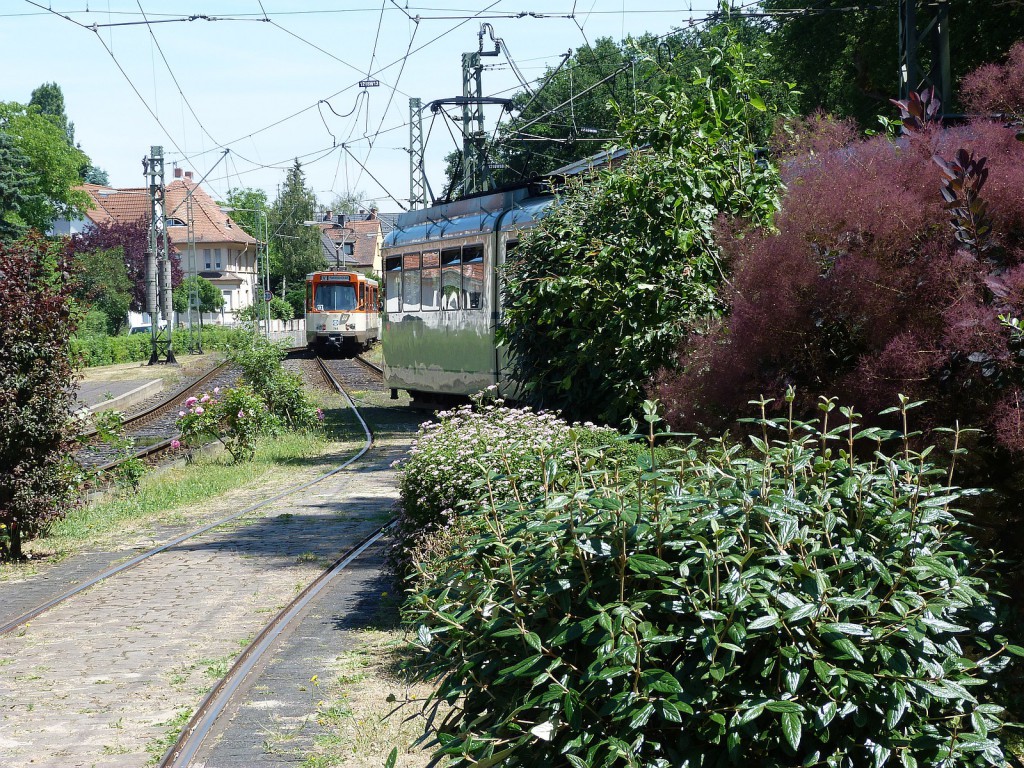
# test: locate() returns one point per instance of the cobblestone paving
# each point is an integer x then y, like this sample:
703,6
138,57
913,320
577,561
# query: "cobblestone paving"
273,722
103,680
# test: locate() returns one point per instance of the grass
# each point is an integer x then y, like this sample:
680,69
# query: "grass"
371,704
158,748
168,497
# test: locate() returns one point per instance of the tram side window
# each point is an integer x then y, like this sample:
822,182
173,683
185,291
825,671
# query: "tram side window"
473,276
430,291
309,295
451,278
411,282
393,284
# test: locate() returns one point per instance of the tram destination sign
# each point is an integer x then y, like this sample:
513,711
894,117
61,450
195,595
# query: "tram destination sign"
369,83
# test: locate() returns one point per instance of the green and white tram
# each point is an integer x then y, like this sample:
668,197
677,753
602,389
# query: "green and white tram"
442,302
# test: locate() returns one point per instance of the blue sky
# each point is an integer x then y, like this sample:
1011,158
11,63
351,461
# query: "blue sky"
235,81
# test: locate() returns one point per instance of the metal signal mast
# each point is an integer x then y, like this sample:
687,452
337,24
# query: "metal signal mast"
159,302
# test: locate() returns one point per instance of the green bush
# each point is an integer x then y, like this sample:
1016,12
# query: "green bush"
784,605
236,416
94,349
447,458
282,391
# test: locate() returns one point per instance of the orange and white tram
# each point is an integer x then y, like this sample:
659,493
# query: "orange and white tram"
341,311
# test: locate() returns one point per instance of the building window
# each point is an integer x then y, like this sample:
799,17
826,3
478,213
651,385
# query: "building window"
216,258
227,299
206,257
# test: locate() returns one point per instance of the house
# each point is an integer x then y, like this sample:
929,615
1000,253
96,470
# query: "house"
224,253
352,241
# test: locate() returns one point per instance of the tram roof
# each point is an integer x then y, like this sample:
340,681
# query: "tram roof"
470,216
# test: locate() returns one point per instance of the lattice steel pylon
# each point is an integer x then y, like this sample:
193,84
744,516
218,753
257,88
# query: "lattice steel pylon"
933,35
158,264
475,174
417,177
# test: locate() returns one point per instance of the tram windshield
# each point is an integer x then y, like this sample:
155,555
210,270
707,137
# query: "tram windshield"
334,298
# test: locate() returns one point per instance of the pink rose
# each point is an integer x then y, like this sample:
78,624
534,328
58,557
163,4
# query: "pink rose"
199,410
192,401
181,414
241,414
175,444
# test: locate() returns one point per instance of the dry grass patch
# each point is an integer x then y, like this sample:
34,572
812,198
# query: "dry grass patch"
361,710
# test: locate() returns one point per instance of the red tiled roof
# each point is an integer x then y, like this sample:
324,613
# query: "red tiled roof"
211,224
363,233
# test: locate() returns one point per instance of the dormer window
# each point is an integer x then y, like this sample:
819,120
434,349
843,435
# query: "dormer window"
172,222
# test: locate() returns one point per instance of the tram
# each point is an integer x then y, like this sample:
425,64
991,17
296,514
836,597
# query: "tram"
341,312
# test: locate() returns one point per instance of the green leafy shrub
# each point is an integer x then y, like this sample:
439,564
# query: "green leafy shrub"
93,349
236,416
281,390
784,605
602,290
110,428
438,477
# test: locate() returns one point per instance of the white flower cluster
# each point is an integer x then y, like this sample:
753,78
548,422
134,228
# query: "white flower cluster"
506,447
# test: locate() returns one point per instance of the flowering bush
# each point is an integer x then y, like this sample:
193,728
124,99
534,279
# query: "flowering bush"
778,605
236,416
446,468
243,419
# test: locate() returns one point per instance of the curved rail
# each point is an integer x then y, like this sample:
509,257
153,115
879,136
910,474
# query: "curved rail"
132,562
216,701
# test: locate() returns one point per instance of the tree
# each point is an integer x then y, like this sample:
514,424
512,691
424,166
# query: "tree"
37,393
133,238
48,98
16,185
350,203
54,165
247,207
210,298
103,284
601,291
297,244
596,88
94,175
845,59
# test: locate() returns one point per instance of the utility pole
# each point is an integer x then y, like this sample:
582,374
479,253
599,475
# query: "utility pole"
158,264
476,176
195,332
933,35
417,177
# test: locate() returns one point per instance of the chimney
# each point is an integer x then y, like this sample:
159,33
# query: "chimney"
329,216
188,175
373,214
177,173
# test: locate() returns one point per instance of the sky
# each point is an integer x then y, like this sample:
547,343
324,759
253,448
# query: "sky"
272,80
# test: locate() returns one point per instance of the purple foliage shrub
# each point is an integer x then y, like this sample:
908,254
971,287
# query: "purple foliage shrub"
865,290
996,87
37,393
134,238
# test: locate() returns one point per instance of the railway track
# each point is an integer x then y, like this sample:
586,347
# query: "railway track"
34,631
154,429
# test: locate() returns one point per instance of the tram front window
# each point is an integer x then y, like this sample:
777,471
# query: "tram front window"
335,298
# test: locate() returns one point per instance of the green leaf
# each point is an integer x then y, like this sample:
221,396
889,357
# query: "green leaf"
392,758
647,564
763,623
791,729
757,104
